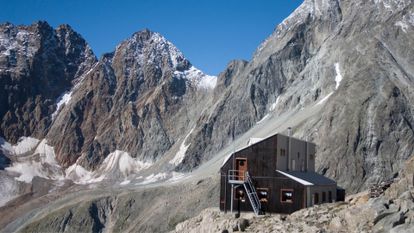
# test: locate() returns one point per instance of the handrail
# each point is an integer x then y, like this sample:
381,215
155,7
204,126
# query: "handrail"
236,175
253,189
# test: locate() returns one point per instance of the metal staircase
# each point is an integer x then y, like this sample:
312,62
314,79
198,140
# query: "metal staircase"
252,194
246,180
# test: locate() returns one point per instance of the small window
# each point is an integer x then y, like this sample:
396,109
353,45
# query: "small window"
323,197
298,155
282,152
311,156
330,196
263,194
239,194
286,195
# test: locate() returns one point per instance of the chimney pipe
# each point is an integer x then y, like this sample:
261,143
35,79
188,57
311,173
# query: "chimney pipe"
289,148
306,154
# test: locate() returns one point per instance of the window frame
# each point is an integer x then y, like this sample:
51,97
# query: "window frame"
281,195
236,197
268,194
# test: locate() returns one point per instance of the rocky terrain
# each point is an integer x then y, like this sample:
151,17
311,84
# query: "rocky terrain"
82,139
391,212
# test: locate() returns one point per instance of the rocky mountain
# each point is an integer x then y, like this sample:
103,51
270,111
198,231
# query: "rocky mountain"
140,98
146,98
37,64
126,126
352,57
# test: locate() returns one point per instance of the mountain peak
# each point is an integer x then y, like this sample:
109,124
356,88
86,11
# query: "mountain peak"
153,48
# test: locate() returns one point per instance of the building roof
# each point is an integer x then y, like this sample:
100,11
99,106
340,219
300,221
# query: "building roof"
308,178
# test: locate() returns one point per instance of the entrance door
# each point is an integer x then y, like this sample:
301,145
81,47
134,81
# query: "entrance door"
316,198
241,167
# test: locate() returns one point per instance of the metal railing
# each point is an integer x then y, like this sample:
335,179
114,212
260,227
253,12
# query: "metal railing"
236,175
241,177
252,194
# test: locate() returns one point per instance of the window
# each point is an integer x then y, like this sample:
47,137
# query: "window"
298,155
239,194
323,197
263,194
330,196
311,156
282,152
286,195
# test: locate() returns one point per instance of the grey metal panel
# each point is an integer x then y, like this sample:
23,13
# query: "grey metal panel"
312,177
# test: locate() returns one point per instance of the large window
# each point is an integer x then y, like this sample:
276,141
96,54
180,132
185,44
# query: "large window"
263,194
286,195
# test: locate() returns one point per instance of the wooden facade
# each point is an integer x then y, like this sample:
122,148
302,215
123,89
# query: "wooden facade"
273,164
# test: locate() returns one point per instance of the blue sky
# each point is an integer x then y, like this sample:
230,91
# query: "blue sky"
210,33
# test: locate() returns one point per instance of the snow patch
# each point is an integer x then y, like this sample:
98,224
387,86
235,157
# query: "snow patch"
154,178
392,5
402,25
263,119
128,165
24,145
41,163
324,99
176,176
406,22
274,105
27,171
80,175
62,100
117,163
179,156
125,182
197,78
338,77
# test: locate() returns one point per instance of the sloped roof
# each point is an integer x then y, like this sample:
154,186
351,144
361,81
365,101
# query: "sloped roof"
308,178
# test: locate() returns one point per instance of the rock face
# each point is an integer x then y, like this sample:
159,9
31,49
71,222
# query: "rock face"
140,98
37,64
354,58
351,59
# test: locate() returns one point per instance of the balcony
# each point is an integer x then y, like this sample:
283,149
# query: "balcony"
236,177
